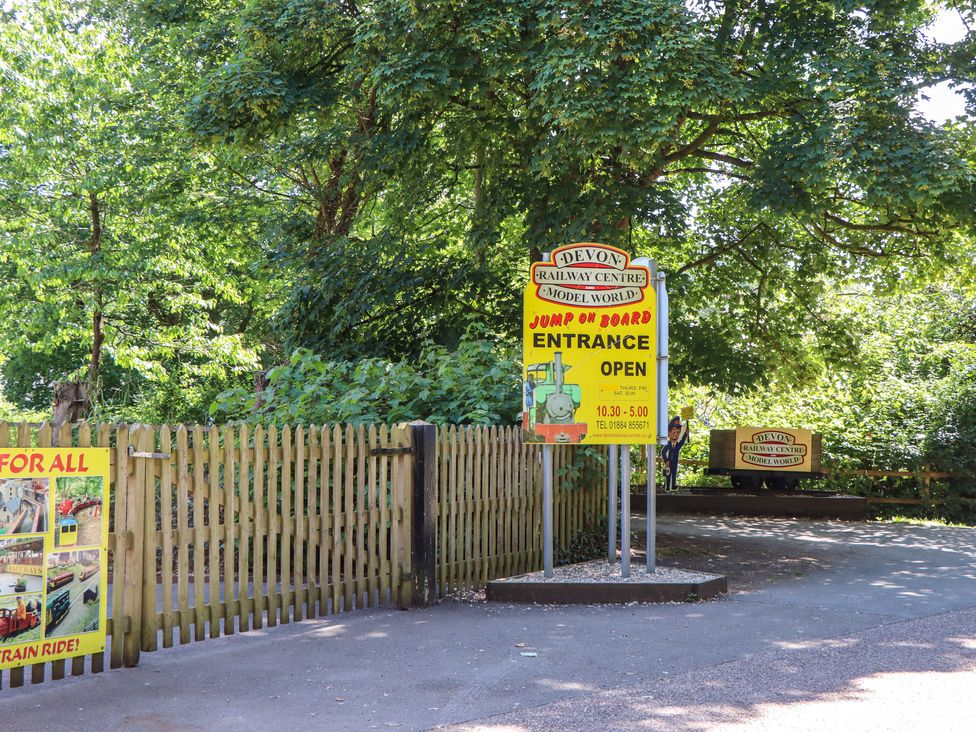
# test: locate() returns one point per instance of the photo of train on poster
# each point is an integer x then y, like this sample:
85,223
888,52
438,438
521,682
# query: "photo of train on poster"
589,349
53,550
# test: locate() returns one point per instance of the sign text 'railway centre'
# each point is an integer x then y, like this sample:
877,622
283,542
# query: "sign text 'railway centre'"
590,275
772,449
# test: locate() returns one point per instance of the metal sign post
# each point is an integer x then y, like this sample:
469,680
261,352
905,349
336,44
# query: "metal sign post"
612,505
651,508
547,510
625,511
661,291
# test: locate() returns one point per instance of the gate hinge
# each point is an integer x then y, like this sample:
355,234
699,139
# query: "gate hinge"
390,451
154,455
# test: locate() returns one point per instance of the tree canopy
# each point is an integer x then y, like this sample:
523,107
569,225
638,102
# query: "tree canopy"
760,151
120,266
190,191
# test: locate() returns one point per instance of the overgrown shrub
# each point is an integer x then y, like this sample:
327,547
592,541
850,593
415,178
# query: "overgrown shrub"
590,542
477,383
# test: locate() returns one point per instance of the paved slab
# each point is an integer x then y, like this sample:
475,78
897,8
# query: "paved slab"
843,604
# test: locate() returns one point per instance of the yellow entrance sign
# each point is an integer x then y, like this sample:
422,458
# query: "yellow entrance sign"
589,349
53,551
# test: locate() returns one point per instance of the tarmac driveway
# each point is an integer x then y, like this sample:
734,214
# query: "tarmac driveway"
825,622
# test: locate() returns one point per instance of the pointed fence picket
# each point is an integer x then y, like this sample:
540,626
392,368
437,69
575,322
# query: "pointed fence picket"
489,510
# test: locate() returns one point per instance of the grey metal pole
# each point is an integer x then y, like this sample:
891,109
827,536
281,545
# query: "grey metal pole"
663,415
547,510
612,505
651,508
625,511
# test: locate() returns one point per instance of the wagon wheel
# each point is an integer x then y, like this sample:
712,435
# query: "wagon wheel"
746,482
782,483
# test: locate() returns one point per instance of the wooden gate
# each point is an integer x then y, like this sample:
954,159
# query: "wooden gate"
221,530
214,531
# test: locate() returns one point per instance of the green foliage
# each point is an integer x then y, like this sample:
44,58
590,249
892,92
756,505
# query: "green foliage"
12,413
478,383
118,263
419,158
908,404
590,542
383,298
586,468
192,190
28,376
75,488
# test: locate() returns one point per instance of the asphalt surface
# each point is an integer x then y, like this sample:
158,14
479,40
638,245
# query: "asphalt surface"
829,626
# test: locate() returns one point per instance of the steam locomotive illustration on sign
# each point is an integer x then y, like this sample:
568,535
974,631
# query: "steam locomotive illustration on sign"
550,404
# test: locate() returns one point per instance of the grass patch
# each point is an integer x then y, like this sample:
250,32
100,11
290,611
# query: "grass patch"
916,521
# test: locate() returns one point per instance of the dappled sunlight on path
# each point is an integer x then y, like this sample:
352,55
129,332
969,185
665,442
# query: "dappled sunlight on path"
825,619
913,675
949,539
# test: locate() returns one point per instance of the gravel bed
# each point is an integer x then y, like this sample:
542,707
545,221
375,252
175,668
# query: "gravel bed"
599,570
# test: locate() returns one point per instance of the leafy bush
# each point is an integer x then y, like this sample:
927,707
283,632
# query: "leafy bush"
588,543
478,383
587,467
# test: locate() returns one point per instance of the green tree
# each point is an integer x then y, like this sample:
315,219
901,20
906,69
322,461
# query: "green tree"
423,153
114,248
908,405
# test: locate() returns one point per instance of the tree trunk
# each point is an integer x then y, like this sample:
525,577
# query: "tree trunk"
260,384
71,400
98,336
95,365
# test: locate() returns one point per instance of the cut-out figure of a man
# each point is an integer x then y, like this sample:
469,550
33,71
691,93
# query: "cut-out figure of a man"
677,437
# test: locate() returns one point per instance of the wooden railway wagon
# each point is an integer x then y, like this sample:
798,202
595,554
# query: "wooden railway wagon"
751,456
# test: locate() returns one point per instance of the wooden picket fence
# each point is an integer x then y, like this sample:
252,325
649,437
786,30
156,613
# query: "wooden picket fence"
489,505
217,530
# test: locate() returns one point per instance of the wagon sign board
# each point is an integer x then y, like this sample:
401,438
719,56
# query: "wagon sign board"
773,449
589,348
53,548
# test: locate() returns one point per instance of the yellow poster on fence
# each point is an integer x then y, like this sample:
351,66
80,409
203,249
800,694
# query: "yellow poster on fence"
589,349
53,551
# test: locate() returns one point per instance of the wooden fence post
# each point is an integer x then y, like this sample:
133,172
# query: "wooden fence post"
135,488
149,630
423,543
401,580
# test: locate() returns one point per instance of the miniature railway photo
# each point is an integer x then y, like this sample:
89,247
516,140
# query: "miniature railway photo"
72,604
20,619
78,509
23,506
21,565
